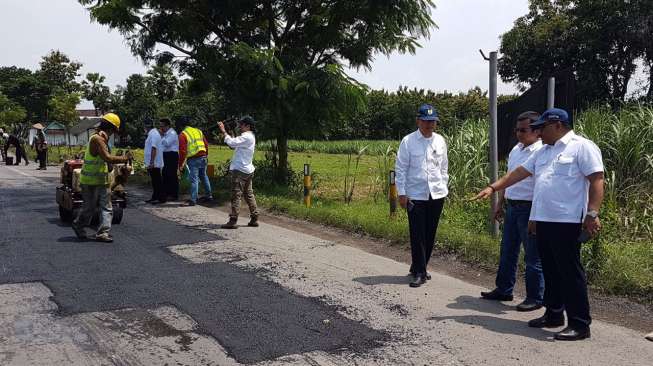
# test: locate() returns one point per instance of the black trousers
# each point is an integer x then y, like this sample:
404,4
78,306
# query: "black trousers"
423,219
170,180
157,184
42,157
20,154
564,276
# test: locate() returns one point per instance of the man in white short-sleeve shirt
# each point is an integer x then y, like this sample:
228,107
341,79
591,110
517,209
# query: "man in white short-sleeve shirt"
569,186
518,201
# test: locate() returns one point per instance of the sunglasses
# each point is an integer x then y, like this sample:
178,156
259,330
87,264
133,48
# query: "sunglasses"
523,130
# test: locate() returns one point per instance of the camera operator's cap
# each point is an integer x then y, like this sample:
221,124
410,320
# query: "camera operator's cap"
248,120
426,112
553,114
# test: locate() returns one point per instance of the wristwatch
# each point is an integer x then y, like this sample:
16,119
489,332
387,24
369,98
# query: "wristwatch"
592,213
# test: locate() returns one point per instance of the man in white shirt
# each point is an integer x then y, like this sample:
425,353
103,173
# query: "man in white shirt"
153,160
518,200
569,186
241,170
422,176
170,146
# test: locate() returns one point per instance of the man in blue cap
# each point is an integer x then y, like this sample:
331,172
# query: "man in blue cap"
422,177
568,193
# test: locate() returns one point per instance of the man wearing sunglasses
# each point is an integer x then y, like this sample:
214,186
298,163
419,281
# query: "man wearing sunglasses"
568,194
518,202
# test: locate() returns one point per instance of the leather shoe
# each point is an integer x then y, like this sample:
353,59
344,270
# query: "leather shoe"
495,295
428,275
571,334
546,322
417,281
231,224
528,305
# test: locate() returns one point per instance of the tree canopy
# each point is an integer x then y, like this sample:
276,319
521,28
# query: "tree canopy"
601,40
281,60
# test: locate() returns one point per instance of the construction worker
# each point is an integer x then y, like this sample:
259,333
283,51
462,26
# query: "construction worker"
41,147
20,152
194,151
94,180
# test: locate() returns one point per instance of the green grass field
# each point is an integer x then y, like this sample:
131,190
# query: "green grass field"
620,261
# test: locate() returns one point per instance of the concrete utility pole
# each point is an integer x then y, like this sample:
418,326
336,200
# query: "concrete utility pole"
494,149
551,93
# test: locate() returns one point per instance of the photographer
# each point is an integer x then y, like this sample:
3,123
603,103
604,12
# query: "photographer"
241,170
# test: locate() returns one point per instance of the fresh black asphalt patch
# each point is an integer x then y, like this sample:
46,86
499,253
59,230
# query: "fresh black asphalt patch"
253,319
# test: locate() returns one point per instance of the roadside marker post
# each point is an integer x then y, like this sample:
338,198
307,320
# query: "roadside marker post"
392,194
307,185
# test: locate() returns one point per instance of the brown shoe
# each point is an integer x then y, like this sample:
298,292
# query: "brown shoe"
231,224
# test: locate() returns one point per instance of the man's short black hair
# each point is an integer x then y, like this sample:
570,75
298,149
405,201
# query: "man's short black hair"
530,115
181,123
166,121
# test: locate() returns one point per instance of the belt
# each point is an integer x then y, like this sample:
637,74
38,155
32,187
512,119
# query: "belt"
518,202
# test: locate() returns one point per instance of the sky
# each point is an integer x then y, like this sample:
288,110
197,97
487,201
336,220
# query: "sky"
449,60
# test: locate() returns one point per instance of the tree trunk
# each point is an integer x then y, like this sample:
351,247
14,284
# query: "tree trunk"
282,150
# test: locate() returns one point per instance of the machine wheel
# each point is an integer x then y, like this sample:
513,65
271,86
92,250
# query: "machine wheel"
117,215
65,215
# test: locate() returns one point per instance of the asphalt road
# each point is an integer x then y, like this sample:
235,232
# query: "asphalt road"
174,289
253,319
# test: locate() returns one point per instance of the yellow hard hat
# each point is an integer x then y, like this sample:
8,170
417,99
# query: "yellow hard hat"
113,119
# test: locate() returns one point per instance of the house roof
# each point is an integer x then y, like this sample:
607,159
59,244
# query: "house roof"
87,113
84,125
54,126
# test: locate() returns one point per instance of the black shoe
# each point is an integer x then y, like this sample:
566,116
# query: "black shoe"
253,222
546,322
428,275
206,199
189,203
495,295
80,233
231,224
571,334
528,305
417,281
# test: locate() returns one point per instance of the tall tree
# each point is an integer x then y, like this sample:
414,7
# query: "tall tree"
63,106
10,112
599,39
278,58
27,89
59,72
94,90
163,81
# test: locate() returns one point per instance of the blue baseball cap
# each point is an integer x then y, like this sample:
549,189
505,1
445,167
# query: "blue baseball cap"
553,114
426,112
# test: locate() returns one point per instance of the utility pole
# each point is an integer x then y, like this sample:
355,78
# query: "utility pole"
551,93
494,149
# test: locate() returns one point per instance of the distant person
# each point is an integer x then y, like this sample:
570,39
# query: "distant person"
3,141
422,176
170,144
94,180
518,199
40,145
241,170
194,152
12,140
569,186
153,160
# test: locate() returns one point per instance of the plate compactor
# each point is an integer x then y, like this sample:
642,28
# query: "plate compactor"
69,194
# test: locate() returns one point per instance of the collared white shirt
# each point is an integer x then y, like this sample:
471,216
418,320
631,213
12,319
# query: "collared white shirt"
523,190
422,167
170,141
561,184
244,152
153,140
